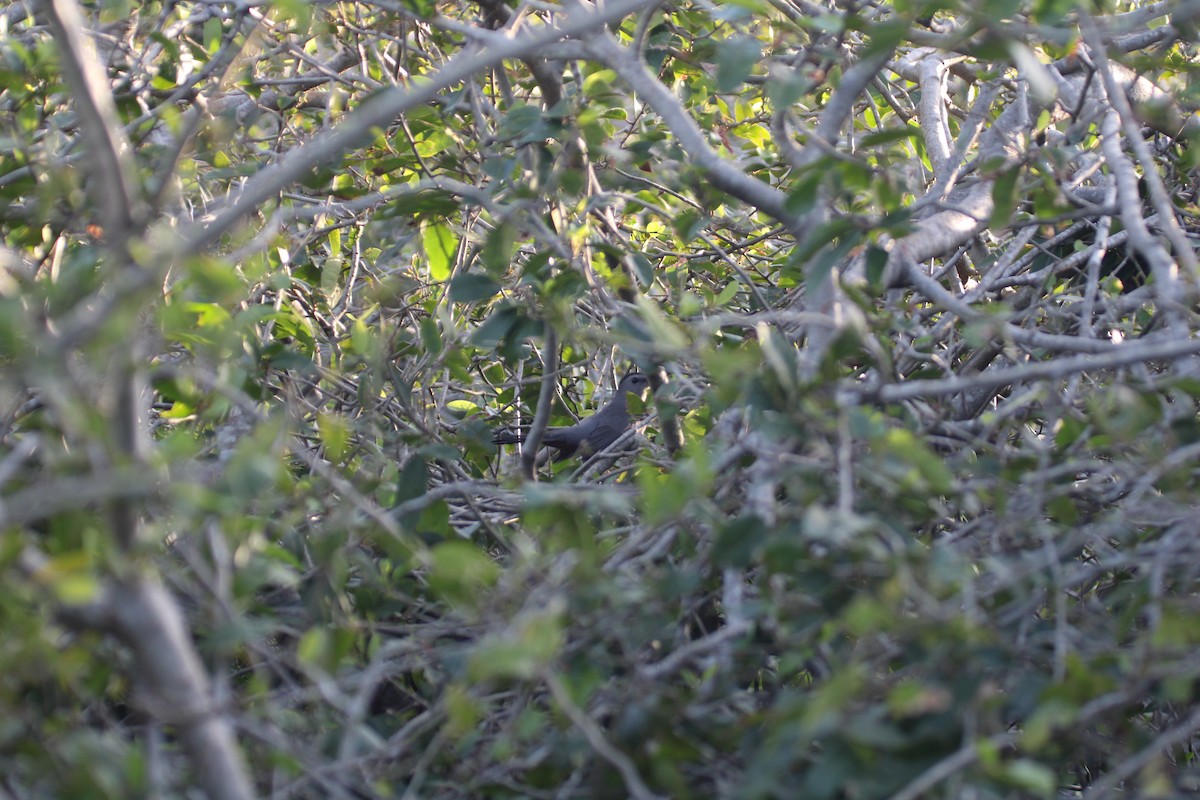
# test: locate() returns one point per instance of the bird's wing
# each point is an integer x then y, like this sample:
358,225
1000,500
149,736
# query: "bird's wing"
567,440
605,427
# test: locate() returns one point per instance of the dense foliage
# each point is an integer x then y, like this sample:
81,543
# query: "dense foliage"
911,513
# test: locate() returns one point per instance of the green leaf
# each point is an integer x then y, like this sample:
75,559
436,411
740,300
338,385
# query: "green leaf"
1030,776
441,246
732,10
433,524
876,260
667,333
498,249
424,9
521,123
471,287
460,573
725,295
69,576
885,36
431,335
324,648
1004,197
803,196
926,464
1042,87
736,57
520,652
889,135
431,202
335,435
212,34
737,541
786,87
599,82
1178,627
496,327
462,409
687,224
463,711
298,11
643,267
414,479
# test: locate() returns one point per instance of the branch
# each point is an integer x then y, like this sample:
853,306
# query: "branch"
148,620
960,759
1129,201
841,105
1166,348
595,737
173,687
934,125
68,493
691,651
1133,134
1173,737
968,208
113,185
541,417
725,174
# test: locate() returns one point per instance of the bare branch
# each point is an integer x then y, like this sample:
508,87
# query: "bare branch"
595,737
1158,194
1122,355
933,113
114,185
840,106
725,175
173,686
541,417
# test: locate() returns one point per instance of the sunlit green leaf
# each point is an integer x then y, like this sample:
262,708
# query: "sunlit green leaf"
461,573
520,652
335,435
441,248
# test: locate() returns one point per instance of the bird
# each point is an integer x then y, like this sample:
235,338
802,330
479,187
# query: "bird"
593,434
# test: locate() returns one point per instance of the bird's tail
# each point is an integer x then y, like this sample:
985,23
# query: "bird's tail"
508,437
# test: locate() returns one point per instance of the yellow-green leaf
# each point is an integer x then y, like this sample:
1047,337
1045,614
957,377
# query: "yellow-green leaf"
440,244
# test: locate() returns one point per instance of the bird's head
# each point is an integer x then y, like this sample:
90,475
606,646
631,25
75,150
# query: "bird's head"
635,383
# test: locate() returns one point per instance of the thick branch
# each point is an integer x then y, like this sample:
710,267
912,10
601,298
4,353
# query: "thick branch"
1158,193
1118,355
174,687
725,175
841,105
113,184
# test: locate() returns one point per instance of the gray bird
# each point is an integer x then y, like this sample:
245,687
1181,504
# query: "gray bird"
593,434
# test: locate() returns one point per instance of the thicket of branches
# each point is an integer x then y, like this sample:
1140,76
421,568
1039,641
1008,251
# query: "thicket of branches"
912,512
